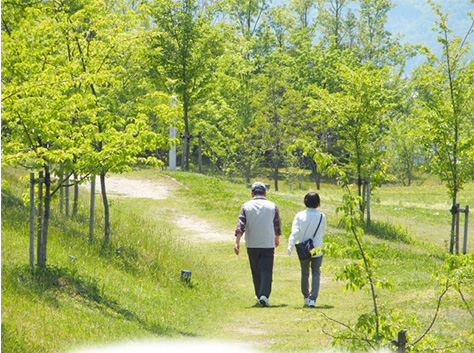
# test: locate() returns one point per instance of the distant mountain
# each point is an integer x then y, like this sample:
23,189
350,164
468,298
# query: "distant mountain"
414,19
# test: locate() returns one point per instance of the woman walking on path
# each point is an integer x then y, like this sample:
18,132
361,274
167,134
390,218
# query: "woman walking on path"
304,225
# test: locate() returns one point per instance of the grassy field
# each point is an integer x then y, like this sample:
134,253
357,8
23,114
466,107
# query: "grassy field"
131,289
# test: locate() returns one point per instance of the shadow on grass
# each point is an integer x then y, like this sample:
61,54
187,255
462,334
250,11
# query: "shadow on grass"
259,306
388,231
306,307
52,281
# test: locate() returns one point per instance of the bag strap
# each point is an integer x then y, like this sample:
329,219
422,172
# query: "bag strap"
318,226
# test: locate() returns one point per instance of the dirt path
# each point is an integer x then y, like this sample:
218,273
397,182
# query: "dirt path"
194,227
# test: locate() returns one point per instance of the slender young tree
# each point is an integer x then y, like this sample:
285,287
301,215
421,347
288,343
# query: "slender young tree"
444,86
358,113
403,150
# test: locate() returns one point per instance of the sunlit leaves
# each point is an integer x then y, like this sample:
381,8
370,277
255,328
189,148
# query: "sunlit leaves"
444,90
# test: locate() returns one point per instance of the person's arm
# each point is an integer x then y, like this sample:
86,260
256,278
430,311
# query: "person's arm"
295,234
239,231
277,227
237,243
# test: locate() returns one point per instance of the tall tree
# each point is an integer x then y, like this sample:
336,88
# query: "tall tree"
249,41
180,54
302,9
273,103
238,91
247,15
403,149
359,114
373,42
335,22
444,86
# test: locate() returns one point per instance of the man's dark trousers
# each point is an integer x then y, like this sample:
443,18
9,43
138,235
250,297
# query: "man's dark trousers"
261,265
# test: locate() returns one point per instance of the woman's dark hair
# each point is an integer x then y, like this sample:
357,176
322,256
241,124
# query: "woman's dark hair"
311,200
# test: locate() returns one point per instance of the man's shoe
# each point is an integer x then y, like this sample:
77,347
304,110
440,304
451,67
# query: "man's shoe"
306,301
312,303
264,301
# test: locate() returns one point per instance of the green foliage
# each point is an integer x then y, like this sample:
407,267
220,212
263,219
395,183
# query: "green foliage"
360,120
393,232
69,81
459,271
73,99
232,129
183,45
444,89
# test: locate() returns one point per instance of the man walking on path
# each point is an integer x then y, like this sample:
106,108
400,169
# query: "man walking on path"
260,220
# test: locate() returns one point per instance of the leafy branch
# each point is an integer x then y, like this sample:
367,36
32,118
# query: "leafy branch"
42,84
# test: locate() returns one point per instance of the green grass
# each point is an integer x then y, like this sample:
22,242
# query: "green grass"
131,289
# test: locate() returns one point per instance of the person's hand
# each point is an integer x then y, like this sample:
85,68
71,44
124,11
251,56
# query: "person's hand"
277,241
289,250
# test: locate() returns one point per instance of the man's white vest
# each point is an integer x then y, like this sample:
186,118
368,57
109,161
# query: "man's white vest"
259,229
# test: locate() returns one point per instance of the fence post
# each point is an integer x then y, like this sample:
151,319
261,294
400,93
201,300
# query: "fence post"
39,235
66,191
61,194
466,223
200,152
91,210
32,220
368,201
183,155
453,211
172,152
457,229
401,341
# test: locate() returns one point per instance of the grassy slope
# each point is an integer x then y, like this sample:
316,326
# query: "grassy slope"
132,290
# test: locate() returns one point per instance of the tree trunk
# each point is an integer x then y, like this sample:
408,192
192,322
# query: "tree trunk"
456,141
316,174
200,152
47,208
75,197
247,172
61,193
368,200
106,209
186,125
92,210
359,181
32,220
453,226
275,175
184,156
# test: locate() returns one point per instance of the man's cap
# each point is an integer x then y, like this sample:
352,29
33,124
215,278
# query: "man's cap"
259,188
